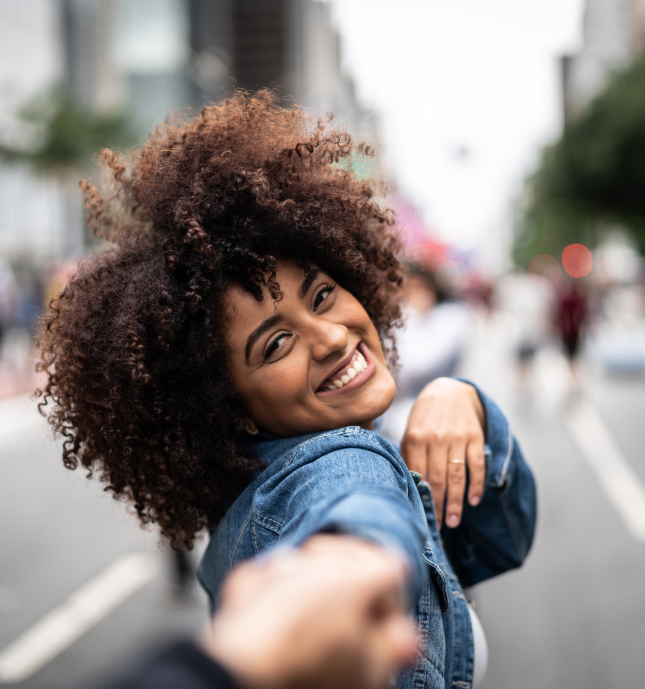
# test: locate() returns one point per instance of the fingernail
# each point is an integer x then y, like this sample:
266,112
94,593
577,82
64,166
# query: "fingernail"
474,501
452,520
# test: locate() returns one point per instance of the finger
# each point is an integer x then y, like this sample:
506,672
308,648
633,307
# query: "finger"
456,485
415,456
437,477
476,471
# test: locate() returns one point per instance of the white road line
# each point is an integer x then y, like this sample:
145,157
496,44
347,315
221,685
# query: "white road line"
619,481
61,627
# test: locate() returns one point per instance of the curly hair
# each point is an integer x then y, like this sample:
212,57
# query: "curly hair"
133,345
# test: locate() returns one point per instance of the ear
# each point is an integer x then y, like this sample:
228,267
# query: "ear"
249,426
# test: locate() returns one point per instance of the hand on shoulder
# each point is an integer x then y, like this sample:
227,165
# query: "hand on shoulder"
445,437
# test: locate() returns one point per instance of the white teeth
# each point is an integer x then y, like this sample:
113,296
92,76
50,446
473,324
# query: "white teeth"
357,365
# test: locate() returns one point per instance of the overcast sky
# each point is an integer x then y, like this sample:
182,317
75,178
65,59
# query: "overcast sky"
467,92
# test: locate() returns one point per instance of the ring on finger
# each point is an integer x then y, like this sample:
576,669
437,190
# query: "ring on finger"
456,460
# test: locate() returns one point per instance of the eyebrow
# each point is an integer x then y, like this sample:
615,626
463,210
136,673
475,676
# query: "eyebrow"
268,323
307,283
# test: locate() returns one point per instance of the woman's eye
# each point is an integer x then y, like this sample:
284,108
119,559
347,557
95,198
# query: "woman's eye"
275,344
322,295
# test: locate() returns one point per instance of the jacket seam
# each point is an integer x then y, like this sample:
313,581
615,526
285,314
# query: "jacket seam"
239,538
507,461
355,430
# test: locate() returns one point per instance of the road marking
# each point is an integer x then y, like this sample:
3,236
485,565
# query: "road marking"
619,481
61,627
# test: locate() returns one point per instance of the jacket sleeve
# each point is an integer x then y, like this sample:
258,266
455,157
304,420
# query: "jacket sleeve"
496,535
357,492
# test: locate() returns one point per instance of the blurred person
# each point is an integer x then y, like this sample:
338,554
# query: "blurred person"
222,363
527,298
29,297
570,317
430,344
7,299
329,615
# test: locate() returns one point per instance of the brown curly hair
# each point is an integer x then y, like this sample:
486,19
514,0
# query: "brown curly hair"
133,345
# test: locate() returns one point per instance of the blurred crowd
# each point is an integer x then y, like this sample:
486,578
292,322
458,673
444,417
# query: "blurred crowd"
24,290
601,316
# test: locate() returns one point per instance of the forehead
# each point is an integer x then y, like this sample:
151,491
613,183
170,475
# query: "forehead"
245,312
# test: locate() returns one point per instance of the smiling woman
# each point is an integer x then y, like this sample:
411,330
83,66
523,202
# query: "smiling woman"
222,364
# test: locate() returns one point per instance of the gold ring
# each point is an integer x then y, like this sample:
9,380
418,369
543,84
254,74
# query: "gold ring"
456,460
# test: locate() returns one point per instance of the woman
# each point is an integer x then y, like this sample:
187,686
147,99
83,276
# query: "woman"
221,366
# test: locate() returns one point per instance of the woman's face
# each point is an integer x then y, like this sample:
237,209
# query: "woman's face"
310,362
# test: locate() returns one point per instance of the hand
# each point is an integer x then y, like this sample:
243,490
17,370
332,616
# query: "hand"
446,424
325,616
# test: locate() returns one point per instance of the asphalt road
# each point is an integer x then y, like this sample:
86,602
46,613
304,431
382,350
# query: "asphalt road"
573,616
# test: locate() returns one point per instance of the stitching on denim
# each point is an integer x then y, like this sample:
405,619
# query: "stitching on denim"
507,461
338,431
348,430
239,537
461,685
262,518
254,538
514,529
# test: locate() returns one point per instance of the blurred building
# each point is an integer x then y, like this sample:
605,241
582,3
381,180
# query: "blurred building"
289,45
144,58
613,34
34,213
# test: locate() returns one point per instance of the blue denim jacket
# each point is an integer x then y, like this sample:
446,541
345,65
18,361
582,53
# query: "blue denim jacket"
353,481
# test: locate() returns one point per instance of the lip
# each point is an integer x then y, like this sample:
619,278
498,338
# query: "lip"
359,380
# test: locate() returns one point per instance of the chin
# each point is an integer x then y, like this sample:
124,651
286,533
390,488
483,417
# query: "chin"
378,402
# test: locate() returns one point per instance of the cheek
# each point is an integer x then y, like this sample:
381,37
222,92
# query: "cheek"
274,388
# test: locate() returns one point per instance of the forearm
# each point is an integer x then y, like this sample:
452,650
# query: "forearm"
378,514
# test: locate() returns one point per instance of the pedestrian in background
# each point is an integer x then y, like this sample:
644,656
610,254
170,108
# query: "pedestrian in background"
431,343
570,318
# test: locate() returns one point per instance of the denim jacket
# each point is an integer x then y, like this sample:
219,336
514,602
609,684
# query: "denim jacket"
354,482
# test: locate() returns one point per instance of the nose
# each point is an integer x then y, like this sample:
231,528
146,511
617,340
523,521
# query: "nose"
327,338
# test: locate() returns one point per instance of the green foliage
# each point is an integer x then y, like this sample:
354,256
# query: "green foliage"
594,176
69,134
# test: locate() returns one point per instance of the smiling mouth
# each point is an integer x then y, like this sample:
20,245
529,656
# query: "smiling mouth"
356,368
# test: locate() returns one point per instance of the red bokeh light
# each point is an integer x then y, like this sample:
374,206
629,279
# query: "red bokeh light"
577,260
545,266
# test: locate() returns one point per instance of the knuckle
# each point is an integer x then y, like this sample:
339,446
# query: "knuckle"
439,437
413,436
477,463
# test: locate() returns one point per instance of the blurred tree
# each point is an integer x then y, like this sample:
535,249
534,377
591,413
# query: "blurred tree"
67,135
594,176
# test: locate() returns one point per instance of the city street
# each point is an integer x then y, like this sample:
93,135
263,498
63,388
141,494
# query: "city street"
573,616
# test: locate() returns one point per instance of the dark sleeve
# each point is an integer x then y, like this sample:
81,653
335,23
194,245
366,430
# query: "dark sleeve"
180,666
496,535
